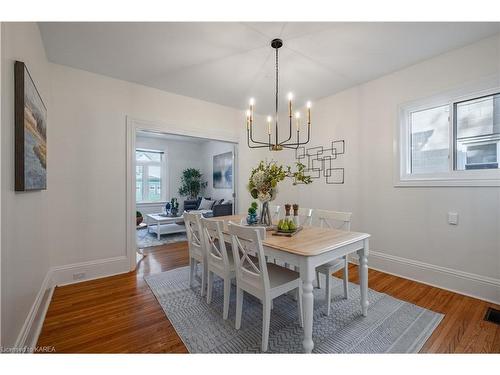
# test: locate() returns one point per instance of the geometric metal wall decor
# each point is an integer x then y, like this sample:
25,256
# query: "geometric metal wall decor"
318,161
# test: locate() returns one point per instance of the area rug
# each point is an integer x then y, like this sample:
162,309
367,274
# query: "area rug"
392,325
145,239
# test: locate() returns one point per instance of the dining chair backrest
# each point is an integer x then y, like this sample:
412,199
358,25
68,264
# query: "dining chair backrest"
194,232
305,216
333,219
214,242
247,241
275,211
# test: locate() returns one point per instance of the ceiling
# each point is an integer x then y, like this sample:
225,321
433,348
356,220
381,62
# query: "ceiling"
227,63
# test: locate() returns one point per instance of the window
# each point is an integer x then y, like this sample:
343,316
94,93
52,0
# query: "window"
450,140
149,176
478,133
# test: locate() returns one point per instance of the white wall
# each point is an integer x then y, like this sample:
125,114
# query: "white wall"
87,156
209,150
410,224
24,234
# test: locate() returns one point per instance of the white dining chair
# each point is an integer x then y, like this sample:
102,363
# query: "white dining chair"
263,280
197,253
333,220
219,260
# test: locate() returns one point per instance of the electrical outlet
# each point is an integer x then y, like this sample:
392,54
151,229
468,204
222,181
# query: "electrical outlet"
79,276
453,218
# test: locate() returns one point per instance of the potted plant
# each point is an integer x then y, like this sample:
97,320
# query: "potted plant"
252,214
191,183
138,218
263,184
174,207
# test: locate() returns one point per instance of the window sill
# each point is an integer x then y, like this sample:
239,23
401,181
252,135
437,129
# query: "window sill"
156,203
446,182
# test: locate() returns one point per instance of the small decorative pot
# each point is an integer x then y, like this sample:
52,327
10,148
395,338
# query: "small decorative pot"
174,211
252,219
138,220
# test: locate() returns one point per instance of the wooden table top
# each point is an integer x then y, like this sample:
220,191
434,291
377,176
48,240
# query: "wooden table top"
309,241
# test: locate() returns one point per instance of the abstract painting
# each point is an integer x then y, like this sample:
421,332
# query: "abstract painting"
30,133
223,171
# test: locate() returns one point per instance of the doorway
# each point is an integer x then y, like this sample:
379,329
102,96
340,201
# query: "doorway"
161,167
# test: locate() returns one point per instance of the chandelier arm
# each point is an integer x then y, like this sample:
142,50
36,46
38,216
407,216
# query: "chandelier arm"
261,145
290,132
296,145
251,139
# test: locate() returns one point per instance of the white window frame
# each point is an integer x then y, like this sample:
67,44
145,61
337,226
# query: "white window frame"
402,145
163,172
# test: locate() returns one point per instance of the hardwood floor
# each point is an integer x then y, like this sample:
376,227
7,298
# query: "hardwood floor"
120,314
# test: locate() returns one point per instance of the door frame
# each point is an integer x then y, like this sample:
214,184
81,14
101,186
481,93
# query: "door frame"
133,126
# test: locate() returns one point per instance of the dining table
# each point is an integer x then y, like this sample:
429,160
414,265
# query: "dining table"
307,249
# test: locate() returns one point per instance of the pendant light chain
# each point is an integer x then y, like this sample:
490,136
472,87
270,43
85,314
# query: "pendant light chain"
277,93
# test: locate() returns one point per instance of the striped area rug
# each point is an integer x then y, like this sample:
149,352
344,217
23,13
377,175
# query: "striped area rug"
392,325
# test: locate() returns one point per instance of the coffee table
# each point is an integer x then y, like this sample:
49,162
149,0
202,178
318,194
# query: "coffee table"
165,224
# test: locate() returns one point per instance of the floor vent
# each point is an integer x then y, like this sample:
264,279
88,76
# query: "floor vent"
492,315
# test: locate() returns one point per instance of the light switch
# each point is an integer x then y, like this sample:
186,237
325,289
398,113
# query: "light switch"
453,218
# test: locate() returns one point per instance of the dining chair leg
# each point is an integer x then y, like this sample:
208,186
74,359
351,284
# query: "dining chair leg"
317,280
239,307
192,271
203,278
328,293
210,282
301,310
227,294
346,279
266,318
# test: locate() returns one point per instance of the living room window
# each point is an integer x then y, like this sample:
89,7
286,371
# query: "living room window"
450,140
150,176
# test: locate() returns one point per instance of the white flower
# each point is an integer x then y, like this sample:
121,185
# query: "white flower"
258,179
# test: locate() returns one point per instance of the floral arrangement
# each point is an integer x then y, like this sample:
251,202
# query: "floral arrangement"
263,181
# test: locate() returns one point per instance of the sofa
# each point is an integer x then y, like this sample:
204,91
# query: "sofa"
219,208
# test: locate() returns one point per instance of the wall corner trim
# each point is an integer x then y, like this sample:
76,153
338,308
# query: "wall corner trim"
28,336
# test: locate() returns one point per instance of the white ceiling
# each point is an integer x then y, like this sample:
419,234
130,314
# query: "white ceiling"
227,63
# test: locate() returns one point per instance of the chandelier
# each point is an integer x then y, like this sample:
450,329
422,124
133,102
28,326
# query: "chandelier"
274,143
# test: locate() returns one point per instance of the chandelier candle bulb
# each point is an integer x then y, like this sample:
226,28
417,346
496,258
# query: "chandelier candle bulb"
308,113
248,118
269,124
297,117
290,97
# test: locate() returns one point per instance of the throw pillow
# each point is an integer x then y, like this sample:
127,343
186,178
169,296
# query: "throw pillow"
205,204
216,203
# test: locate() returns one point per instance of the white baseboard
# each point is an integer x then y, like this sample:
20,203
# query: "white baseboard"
28,337
469,284
58,276
65,275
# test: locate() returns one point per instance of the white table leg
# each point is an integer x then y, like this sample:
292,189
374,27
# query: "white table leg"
307,273
363,277
158,230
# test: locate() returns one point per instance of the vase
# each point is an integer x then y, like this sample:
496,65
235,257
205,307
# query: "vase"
265,215
252,219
